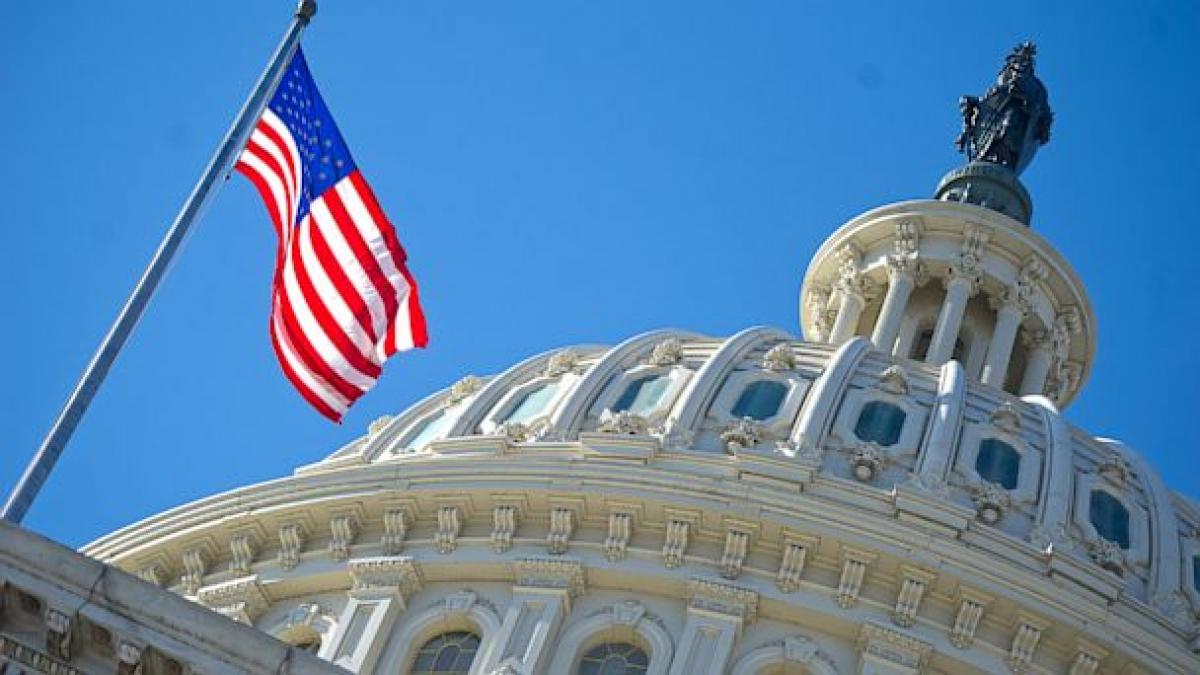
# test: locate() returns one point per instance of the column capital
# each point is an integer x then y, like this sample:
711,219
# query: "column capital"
1037,339
964,271
550,574
1011,299
384,574
714,597
242,600
885,644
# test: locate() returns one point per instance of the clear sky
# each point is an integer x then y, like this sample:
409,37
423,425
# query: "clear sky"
561,172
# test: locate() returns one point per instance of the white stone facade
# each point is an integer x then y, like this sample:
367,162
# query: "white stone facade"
712,542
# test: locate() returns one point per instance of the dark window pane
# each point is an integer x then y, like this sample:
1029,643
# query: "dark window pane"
447,654
880,422
1196,573
998,462
1110,518
614,658
760,400
642,395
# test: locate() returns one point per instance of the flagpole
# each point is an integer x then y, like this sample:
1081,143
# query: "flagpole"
217,170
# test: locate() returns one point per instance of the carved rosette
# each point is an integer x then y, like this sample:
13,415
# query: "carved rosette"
516,432
779,358
561,363
463,389
866,460
1115,469
893,380
669,352
1107,555
991,501
623,422
742,434
378,425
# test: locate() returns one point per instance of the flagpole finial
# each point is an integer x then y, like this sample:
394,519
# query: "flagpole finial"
306,9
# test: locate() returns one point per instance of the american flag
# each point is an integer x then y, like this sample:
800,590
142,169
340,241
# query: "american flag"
343,300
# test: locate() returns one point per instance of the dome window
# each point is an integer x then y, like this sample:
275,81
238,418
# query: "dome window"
998,462
614,658
760,400
880,423
447,654
1110,518
1196,573
642,395
532,404
429,430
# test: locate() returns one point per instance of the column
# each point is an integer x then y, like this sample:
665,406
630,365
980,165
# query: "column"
541,599
1037,363
378,595
960,286
1008,319
850,308
901,282
715,616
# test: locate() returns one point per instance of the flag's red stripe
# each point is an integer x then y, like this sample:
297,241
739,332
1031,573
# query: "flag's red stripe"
276,170
265,192
381,220
337,275
313,399
416,316
306,352
361,251
324,318
417,327
270,132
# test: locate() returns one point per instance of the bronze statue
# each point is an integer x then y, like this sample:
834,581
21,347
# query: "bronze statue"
1013,118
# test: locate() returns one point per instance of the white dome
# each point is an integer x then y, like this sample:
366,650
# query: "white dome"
856,500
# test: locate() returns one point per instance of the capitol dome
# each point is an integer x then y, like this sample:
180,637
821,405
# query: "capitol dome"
896,493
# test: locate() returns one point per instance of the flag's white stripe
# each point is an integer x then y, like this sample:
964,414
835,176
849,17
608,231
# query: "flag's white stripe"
331,297
349,263
297,168
325,349
312,381
272,149
402,326
274,185
371,233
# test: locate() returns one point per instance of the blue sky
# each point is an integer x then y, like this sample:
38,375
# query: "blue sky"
561,172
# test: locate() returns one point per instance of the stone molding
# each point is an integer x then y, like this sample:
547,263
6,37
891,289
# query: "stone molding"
714,597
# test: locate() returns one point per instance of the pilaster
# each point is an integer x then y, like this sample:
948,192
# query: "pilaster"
716,614
542,596
380,587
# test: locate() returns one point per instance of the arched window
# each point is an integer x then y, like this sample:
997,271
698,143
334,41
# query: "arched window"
1110,518
760,400
448,653
880,422
642,395
998,462
532,404
614,658
430,429
1196,573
